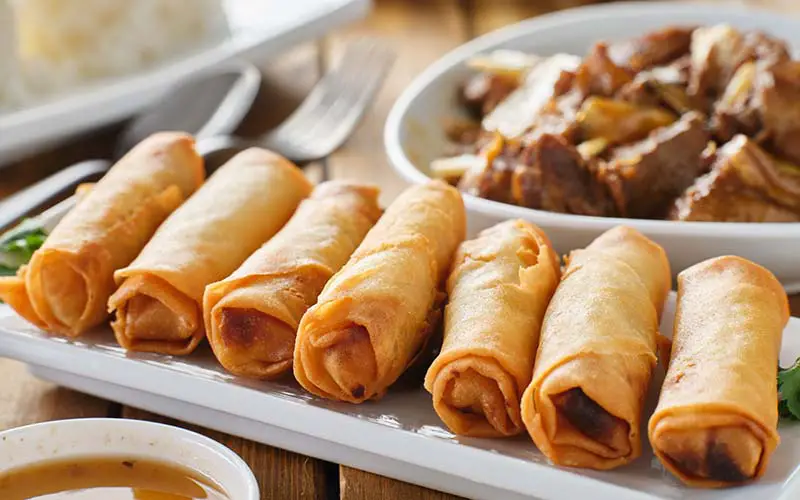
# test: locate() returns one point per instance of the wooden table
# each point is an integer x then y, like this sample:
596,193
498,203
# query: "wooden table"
420,31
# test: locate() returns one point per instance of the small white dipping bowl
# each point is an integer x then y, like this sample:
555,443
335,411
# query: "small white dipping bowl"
116,437
414,133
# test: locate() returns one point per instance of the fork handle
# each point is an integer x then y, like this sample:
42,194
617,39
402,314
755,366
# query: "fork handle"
22,203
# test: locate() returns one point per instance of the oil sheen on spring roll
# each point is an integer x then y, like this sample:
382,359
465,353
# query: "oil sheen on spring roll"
498,291
252,316
375,315
65,287
715,423
159,301
597,350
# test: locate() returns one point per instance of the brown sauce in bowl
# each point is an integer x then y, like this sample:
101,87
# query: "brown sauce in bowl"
104,478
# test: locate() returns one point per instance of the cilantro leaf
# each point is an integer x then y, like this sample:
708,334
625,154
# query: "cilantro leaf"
17,248
789,391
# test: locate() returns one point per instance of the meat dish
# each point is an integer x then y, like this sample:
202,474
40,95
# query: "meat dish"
670,125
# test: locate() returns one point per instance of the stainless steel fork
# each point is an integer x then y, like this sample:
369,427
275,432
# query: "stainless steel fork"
329,114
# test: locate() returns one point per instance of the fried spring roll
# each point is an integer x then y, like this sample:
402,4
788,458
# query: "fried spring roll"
159,301
498,292
597,351
374,316
715,424
252,316
65,286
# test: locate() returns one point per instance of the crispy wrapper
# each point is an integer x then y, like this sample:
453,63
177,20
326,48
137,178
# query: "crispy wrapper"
373,317
715,424
159,301
252,316
498,291
65,286
597,351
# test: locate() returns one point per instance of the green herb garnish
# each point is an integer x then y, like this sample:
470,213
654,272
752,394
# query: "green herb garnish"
17,247
789,391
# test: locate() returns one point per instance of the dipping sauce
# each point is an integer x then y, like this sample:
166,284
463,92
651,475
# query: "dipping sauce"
107,479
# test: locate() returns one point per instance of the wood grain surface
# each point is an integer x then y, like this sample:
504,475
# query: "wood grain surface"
357,484
420,31
26,400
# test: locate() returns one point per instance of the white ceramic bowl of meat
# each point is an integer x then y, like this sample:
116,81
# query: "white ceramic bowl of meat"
414,134
99,438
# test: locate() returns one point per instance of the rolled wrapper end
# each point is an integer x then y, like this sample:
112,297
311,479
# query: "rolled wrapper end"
153,316
338,355
574,427
254,335
77,280
476,397
717,449
14,293
242,326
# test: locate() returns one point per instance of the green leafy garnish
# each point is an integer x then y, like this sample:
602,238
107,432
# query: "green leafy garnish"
789,391
17,247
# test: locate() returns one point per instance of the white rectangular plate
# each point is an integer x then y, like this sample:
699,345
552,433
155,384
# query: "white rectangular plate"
400,436
258,29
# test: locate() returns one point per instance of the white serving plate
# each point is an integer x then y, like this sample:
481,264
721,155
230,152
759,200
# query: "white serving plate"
400,436
414,132
258,29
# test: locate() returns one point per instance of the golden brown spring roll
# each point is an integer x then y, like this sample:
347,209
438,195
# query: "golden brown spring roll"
65,287
715,424
597,351
498,292
252,316
374,316
159,301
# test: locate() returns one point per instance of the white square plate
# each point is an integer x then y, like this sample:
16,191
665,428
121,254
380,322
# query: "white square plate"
400,436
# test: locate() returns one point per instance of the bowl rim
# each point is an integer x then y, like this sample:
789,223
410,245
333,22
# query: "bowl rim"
574,16
244,473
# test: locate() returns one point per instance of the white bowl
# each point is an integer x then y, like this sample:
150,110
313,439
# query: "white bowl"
116,437
414,132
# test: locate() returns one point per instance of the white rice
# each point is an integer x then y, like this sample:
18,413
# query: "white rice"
48,46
